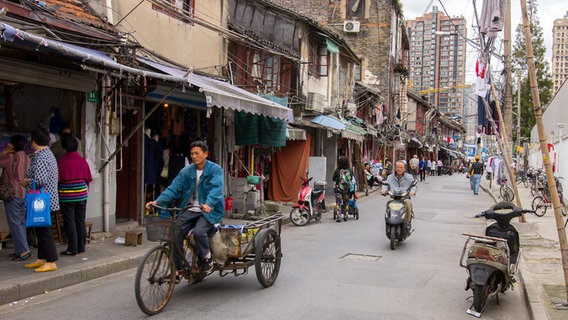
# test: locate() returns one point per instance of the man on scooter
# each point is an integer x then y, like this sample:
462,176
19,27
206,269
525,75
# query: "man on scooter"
401,181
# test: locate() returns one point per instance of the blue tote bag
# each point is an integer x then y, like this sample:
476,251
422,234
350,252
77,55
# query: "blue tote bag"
37,208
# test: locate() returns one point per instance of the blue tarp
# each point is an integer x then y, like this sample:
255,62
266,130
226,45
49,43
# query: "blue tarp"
329,122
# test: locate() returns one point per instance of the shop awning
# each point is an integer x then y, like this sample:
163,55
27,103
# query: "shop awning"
368,88
329,122
420,144
352,131
371,130
454,153
225,95
295,133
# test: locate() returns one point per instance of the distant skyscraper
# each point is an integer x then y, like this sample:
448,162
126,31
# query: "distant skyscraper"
437,60
560,51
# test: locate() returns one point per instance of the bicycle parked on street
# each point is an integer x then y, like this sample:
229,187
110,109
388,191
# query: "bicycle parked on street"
534,177
505,191
234,251
521,177
543,200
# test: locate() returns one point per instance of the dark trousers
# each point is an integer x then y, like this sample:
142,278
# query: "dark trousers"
74,224
46,249
423,175
201,229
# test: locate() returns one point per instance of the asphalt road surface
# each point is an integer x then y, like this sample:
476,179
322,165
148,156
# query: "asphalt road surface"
329,271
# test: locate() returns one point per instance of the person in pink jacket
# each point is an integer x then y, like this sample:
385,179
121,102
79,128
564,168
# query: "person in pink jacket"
15,163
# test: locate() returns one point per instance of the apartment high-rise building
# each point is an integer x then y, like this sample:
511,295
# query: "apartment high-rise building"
560,51
437,60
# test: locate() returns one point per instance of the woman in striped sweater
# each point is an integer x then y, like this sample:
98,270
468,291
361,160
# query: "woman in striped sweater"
74,179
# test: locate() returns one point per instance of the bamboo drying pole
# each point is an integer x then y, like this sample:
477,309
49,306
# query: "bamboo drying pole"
544,146
507,155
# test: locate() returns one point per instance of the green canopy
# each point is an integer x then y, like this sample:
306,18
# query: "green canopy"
254,129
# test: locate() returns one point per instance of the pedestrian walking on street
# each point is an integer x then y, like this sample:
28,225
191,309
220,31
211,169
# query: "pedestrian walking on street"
423,168
14,161
74,179
414,164
475,173
43,169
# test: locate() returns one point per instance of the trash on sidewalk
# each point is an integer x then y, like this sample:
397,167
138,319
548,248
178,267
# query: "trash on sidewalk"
120,240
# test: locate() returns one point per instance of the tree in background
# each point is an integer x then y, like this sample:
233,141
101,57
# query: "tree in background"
542,67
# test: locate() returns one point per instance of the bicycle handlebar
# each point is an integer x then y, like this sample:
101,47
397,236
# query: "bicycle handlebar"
176,208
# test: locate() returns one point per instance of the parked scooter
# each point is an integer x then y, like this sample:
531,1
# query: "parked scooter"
311,202
492,260
396,226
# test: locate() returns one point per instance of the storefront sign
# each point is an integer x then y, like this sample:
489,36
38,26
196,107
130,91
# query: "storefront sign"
93,96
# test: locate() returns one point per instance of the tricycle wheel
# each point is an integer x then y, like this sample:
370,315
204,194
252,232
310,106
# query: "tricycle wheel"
155,280
299,216
268,255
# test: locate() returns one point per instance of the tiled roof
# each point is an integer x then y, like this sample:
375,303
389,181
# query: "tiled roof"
77,11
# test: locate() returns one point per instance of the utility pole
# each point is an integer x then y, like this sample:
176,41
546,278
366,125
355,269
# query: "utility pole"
560,227
508,95
519,140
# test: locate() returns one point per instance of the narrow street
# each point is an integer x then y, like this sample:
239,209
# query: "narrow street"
329,271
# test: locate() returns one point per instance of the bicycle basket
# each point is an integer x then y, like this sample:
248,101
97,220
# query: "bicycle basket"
159,229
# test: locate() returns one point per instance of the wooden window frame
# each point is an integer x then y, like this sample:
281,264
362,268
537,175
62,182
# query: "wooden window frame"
318,58
187,7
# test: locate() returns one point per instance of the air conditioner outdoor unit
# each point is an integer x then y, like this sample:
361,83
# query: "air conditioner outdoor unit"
351,26
316,102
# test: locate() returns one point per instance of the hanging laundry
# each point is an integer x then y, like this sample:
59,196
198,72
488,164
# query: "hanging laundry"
492,17
495,115
380,117
482,80
481,112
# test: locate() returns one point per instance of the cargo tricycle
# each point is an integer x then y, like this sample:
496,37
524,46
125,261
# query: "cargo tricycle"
234,249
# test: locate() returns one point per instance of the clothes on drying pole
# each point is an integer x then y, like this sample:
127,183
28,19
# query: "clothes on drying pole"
481,113
492,17
482,80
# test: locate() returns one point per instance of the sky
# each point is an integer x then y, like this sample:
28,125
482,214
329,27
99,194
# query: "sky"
548,10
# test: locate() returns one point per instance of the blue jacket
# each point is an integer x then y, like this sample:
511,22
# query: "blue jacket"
209,190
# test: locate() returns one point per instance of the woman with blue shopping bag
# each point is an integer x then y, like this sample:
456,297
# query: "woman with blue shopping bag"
43,171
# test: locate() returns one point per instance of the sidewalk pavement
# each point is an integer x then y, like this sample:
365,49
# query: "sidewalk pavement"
540,270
